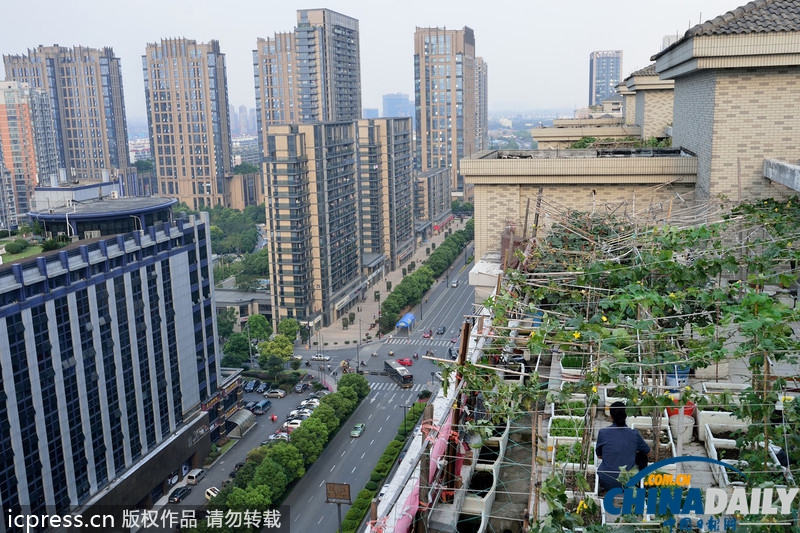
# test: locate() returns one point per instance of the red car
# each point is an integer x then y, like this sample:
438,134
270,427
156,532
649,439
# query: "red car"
427,334
454,340
405,361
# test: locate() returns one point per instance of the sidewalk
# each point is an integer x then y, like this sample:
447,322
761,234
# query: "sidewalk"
370,308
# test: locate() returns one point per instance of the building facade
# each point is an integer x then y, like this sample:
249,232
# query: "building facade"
313,225
188,118
445,99
108,354
88,106
386,188
311,74
605,73
28,149
432,201
481,104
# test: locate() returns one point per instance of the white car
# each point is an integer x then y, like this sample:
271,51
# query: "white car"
211,492
309,404
299,412
320,357
292,424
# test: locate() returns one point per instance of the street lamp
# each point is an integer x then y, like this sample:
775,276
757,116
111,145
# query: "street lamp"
405,415
358,347
250,346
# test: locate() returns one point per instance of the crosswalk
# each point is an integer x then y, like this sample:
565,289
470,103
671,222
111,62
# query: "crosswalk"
419,342
392,386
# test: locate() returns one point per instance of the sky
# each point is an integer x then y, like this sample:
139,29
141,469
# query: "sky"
537,52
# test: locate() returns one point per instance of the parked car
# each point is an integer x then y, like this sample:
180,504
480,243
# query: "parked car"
309,403
297,357
275,438
438,376
294,423
301,386
441,330
251,385
401,457
358,429
275,393
262,388
405,361
211,492
320,357
383,491
298,412
179,494
250,405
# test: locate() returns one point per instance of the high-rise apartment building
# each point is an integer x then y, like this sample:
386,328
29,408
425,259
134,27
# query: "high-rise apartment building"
28,149
188,117
605,71
386,189
88,106
313,223
445,98
312,74
481,104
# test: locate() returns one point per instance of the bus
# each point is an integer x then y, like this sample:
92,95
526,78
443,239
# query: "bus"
399,374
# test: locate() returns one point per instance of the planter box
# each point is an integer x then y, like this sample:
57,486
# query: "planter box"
666,444
570,406
569,373
718,421
556,429
608,400
573,461
591,478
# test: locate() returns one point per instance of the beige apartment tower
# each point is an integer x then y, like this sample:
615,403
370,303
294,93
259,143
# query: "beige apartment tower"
189,120
88,106
386,190
313,223
312,74
445,98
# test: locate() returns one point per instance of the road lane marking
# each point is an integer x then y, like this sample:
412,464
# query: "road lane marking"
365,453
354,470
334,466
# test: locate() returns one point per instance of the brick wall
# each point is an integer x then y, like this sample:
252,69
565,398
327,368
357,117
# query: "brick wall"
498,206
656,112
733,120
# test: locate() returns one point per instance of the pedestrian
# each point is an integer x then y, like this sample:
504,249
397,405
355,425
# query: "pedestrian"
617,446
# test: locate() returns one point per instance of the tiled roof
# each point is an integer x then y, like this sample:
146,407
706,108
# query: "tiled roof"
649,70
759,16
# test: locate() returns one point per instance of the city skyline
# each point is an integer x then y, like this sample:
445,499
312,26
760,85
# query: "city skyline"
565,33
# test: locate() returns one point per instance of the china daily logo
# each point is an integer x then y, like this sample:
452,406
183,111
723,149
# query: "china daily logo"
659,498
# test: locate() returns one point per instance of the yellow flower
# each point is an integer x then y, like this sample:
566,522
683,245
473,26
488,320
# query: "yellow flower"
594,388
687,387
577,335
604,318
776,209
672,295
581,506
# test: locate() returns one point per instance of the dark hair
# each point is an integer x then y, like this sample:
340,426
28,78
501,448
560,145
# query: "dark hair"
618,414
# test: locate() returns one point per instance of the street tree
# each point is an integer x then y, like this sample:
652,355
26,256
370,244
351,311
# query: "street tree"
236,351
289,457
259,326
289,327
356,382
310,438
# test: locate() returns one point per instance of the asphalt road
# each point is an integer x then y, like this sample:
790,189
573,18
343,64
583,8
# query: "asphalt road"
346,459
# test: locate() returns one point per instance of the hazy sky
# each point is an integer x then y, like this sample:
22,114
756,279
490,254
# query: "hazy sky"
537,52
